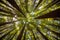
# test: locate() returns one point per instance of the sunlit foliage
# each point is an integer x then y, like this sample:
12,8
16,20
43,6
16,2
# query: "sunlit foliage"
26,20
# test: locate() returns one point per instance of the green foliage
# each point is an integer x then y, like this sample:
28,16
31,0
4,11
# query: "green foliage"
27,20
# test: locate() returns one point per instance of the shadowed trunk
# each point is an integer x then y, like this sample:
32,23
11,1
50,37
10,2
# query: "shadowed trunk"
42,34
38,4
6,34
53,14
21,33
4,23
13,3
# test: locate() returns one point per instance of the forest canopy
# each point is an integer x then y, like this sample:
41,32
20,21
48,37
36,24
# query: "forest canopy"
29,19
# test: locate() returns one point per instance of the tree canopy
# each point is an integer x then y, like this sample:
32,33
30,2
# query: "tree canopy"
29,19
